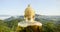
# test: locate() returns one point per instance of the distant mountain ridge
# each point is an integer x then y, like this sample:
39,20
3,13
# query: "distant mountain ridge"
4,15
36,17
48,17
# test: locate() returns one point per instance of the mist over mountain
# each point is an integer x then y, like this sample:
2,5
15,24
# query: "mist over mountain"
37,17
2,17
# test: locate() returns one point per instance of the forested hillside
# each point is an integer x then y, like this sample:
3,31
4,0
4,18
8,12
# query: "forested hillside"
10,24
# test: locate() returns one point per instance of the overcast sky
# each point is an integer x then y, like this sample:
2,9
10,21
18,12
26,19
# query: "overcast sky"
42,7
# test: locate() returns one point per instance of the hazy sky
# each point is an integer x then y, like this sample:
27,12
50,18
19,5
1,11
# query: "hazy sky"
17,7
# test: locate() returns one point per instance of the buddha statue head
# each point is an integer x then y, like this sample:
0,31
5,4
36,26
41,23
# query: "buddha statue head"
29,14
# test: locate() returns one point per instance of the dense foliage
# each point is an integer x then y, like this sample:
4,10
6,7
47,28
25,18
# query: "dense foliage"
11,26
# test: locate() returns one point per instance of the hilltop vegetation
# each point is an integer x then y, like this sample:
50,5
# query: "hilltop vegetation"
10,24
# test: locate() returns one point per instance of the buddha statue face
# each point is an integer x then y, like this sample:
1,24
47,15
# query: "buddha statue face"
29,14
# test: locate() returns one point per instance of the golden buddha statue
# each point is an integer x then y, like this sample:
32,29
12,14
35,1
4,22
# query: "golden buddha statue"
29,24
29,14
